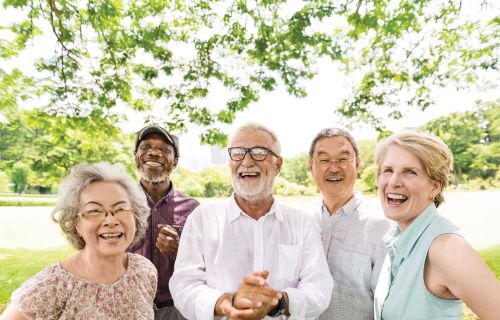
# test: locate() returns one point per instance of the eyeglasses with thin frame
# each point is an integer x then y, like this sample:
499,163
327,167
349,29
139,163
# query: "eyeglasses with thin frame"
257,153
99,214
342,163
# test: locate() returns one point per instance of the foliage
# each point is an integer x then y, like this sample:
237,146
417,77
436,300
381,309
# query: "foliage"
4,182
474,139
284,187
296,170
217,181
38,149
19,176
212,181
110,56
368,179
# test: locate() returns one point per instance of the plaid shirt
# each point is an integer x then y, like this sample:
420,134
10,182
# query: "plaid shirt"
353,243
173,209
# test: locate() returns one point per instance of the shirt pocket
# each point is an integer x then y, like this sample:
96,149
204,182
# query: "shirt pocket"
288,260
353,271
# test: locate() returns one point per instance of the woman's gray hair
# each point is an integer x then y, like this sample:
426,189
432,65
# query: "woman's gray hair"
80,177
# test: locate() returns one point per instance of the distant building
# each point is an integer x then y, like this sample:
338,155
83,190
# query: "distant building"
195,157
219,155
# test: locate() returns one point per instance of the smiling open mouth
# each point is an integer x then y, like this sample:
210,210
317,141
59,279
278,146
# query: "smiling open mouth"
334,178
153,163
394,198
111,235
245,175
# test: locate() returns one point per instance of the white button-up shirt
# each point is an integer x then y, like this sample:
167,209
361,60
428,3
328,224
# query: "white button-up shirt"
221,244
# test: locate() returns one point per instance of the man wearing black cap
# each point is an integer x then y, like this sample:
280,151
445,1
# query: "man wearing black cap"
156,155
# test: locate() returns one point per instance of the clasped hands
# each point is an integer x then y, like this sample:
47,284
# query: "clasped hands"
254,299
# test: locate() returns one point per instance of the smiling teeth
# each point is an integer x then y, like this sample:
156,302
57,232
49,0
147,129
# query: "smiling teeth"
154,164
111,234
334,178
397,196
251,174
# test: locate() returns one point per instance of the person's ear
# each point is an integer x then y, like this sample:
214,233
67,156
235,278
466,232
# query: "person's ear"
278,164
436,189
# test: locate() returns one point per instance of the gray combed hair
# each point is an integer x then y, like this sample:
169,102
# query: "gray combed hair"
254,127
80,177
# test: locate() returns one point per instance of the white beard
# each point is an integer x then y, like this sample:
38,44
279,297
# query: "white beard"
153,179
255,191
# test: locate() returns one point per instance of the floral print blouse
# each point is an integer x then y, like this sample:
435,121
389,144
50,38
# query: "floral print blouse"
54,293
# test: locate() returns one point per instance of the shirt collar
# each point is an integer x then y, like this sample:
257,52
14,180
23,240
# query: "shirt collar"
165,198
235,211
347,208
402,243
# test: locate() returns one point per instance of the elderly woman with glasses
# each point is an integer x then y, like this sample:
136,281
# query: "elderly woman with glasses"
430,268
101,210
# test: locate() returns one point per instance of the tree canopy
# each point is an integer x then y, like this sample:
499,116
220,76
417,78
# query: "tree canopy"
111,56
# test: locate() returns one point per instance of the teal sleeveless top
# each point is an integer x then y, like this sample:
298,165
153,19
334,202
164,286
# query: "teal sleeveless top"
401,292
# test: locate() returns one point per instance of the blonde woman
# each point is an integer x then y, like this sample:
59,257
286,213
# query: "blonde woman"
430,268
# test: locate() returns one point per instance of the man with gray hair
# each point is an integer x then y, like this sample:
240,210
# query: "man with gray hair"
351,231
251,257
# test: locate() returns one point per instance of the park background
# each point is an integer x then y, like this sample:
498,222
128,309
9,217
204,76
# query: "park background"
78,78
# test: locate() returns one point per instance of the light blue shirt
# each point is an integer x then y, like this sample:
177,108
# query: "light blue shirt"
401,292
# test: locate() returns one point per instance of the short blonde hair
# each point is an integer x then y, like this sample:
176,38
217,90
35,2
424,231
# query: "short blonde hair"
434,154
79,178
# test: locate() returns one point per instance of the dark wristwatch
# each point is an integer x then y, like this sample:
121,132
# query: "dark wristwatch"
279,309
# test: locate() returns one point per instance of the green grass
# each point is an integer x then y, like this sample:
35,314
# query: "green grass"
17,203
17,265
30,200
492,257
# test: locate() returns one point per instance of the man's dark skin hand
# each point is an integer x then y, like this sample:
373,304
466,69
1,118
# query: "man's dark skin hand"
168,240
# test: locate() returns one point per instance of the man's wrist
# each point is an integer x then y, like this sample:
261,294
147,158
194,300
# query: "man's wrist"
281,308
225,296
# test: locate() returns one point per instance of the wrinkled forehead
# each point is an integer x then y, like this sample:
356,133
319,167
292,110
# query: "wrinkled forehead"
337,146
251,138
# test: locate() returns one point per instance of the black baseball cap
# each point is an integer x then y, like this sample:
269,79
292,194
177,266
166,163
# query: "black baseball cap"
153,128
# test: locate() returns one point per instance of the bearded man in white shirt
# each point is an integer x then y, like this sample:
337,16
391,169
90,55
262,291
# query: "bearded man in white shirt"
351,230
251,257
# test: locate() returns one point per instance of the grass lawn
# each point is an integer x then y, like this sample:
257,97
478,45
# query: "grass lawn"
17,265
15,200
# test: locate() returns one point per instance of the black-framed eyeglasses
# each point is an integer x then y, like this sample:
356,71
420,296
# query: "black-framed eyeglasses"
257,153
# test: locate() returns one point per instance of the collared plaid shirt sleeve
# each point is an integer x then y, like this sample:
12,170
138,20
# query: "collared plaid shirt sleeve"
173,209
